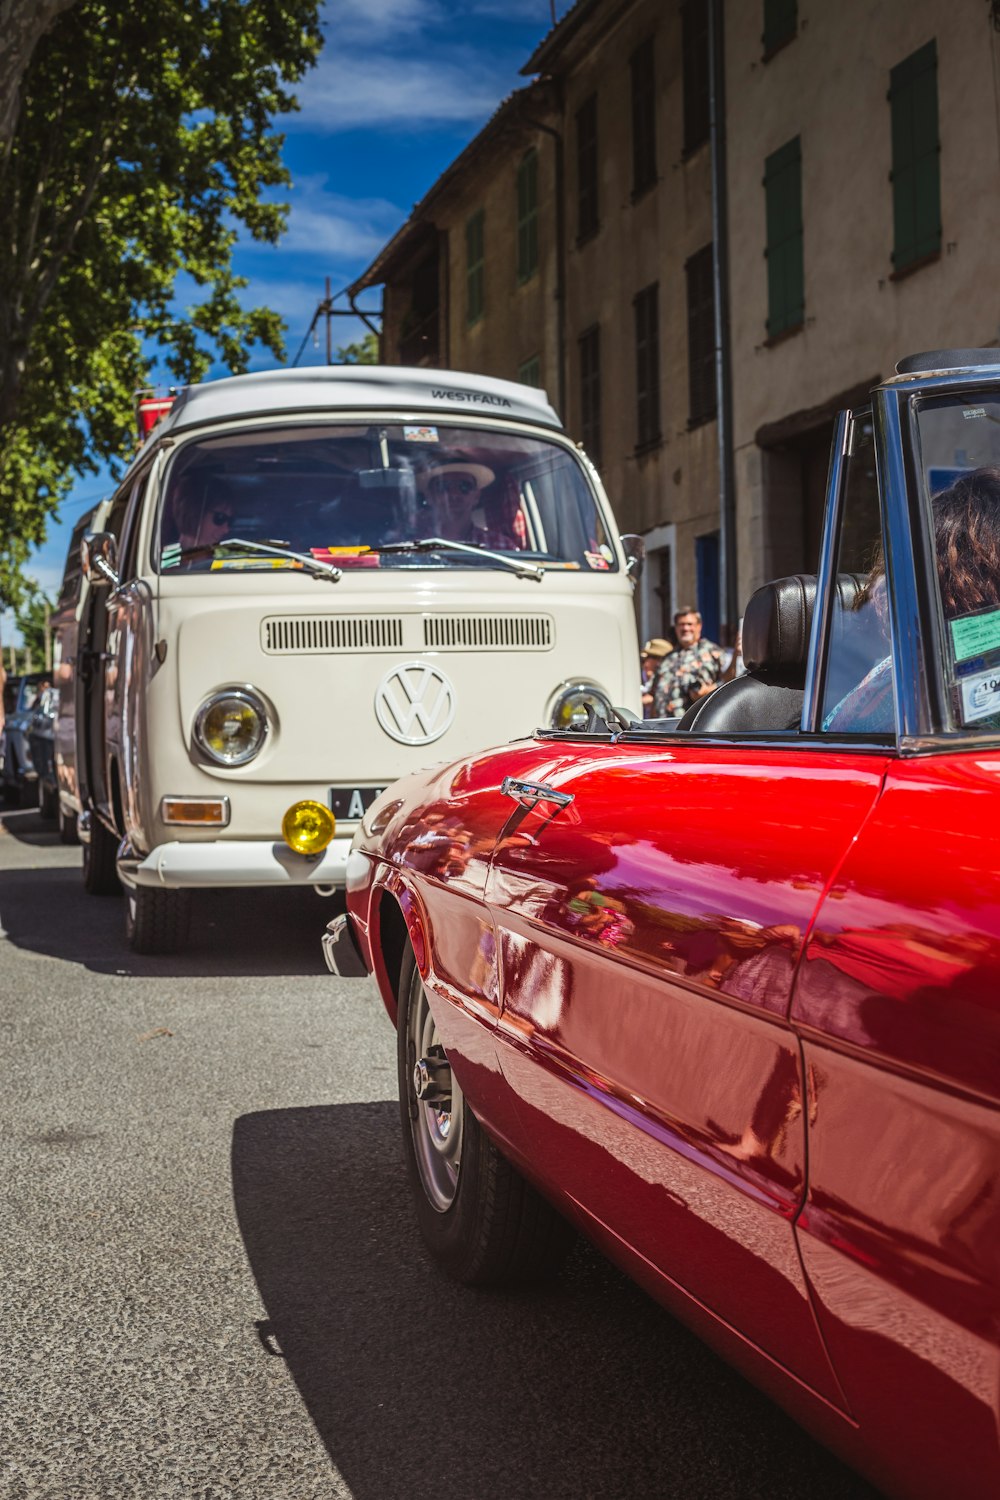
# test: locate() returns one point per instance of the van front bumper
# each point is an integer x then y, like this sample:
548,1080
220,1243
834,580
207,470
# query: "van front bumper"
224,862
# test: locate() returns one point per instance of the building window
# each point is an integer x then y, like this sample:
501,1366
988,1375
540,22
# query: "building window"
527,216
590,392
701,337
530,372
643,118
647,366
475,278
587,208
781,24
694,49
785,269
916,184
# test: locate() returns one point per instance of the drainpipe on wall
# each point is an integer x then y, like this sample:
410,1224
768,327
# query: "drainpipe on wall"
723,364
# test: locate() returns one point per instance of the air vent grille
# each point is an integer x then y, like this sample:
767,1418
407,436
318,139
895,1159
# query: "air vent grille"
489,632
292,635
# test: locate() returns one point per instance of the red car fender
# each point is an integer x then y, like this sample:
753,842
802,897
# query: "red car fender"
390,889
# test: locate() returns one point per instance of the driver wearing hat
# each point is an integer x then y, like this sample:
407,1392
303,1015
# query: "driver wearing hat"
454,490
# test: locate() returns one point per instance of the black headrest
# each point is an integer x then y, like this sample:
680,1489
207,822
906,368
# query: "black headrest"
777,622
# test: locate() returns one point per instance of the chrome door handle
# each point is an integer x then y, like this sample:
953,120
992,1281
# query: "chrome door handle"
530,793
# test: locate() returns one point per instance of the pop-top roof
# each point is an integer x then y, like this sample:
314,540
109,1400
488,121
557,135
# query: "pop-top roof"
343,388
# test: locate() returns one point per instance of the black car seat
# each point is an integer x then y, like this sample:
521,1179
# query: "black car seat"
776,630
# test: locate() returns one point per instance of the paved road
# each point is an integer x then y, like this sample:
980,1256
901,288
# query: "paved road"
209,1281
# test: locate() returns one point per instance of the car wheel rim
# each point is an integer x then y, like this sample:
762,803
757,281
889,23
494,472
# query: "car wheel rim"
436,1119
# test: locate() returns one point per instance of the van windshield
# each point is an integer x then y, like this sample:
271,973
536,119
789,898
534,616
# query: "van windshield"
341,494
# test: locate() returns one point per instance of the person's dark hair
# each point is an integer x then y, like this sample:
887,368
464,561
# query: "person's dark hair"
967,542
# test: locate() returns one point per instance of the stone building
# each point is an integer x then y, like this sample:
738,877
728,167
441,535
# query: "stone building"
577,243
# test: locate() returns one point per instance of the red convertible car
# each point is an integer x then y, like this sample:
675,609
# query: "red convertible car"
724,992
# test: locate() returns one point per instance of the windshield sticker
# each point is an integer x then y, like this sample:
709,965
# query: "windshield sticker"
976,634
597,560
980,697
347,557
420,434
244,564
974,411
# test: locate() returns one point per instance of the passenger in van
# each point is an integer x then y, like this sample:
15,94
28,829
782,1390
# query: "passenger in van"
454,491
201,511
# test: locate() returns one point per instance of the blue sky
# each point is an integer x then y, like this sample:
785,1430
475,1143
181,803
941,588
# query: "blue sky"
400,88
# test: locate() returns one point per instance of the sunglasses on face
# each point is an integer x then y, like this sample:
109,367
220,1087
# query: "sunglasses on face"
459,484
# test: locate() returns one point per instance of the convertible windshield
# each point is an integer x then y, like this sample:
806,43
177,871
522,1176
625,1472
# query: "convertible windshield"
960,461
362,496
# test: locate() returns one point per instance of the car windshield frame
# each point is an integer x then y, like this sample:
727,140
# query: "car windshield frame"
539,489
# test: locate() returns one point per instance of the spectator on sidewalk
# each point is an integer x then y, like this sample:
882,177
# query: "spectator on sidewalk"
694,669
651,659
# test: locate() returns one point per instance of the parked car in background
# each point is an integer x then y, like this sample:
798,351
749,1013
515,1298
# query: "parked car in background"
41,744
725,990
308,583
19,777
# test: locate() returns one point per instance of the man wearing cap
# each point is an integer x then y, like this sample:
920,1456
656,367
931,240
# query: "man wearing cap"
454,490
651,658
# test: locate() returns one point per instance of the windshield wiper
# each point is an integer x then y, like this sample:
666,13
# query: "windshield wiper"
440,544
238,544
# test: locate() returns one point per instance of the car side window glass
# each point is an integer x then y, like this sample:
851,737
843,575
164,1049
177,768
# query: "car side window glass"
129,550
857,686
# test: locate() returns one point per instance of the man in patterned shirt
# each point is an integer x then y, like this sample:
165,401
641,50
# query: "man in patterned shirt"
694,669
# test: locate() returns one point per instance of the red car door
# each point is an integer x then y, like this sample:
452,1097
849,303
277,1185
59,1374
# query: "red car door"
898,1004
648,935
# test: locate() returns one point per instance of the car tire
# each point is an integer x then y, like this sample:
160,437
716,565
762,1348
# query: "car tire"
67,827
482,1222
100,856
156,920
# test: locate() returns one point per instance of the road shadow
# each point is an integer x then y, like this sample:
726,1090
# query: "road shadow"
418,1386
29,827
233,932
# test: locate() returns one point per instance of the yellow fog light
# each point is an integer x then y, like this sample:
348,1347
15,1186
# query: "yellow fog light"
308,827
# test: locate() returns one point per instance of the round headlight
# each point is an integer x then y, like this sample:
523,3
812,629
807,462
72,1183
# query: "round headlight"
308,827
572,707
231,726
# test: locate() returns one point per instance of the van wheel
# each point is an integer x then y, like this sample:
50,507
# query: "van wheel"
156,921
67,827
482,1222
100,854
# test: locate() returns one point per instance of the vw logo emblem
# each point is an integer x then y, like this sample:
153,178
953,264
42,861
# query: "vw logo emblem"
415,703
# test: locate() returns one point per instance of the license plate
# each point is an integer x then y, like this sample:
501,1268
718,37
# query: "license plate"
353,801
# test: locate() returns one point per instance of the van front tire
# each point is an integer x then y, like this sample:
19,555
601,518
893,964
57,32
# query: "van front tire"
156,921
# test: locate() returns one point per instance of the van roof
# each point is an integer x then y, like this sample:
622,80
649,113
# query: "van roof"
346,387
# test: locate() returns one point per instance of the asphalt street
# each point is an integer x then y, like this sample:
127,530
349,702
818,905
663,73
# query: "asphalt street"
210,1282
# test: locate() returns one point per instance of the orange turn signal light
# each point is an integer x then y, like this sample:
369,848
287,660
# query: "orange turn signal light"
196,812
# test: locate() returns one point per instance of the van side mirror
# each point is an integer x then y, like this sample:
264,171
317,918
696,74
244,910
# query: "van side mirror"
99,559
635,555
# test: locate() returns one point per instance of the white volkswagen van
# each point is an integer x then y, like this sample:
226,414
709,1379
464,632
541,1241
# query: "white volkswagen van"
309,583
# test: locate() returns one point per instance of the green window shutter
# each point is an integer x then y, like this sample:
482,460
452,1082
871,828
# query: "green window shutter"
527,217
916,170
475,295
785,257
781,22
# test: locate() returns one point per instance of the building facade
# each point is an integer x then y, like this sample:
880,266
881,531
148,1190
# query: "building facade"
698,206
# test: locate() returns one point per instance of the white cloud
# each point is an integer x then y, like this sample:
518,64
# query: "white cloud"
410,92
